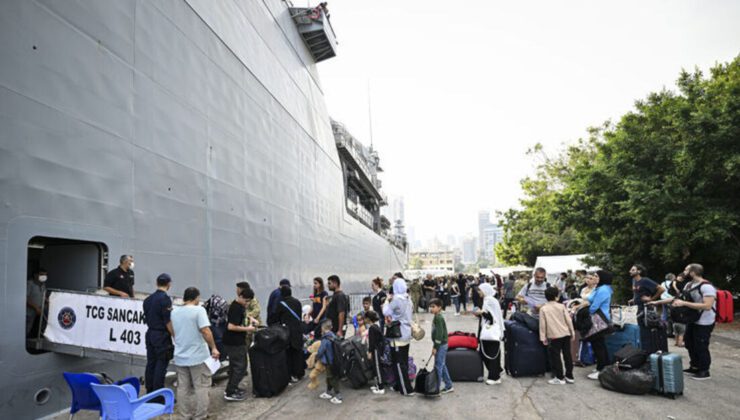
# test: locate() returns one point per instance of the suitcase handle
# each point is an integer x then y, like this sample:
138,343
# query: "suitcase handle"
661,384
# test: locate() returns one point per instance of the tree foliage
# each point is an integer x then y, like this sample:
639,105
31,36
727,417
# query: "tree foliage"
661,186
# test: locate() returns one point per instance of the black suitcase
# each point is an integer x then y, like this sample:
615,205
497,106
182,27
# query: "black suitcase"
654,339
272,339
524,354
270,373
464,365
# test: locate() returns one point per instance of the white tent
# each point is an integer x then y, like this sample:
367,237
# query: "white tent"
504,271
556,264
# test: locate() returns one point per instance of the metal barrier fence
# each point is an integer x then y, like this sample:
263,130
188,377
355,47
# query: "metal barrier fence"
355,303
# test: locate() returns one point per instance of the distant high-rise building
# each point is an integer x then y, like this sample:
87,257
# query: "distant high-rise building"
484,219
493,234
469,255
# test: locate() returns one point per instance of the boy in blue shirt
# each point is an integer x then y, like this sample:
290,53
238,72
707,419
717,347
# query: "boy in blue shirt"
326,355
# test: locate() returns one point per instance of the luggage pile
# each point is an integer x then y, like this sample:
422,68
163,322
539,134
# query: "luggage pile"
463,360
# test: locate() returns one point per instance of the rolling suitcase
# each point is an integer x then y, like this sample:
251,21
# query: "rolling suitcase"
654,339
270,373
668,371
524,354
627,334
464,365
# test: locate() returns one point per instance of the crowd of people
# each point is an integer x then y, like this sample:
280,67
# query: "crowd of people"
185,333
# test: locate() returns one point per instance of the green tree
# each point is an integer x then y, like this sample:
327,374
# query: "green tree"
661,186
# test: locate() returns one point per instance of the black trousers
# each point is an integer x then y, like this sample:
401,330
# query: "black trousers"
237,366
296,362
556,348
598,344
491,355
158,344
696,340
506,304
400,357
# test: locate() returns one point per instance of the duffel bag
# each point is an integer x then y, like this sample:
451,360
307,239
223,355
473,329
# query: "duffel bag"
629,357
459,339
632,381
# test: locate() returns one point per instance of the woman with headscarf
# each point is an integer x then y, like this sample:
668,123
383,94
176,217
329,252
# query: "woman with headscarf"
600,298
399,308
490,332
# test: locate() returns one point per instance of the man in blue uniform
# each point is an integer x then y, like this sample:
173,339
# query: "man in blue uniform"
159,347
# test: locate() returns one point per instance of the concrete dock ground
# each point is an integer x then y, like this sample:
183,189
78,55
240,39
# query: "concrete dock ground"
515,398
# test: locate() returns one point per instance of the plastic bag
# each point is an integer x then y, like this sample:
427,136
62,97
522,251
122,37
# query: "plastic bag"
633,381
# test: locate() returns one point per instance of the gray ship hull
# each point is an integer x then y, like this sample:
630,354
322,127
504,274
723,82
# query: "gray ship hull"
191,134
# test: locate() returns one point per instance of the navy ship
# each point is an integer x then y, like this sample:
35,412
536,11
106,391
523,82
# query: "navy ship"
191,134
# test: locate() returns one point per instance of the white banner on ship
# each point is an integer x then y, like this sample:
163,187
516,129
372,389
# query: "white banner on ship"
99,322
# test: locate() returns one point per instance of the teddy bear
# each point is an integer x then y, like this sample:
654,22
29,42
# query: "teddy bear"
317,368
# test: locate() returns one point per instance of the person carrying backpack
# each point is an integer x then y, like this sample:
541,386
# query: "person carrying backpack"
326,355
533,294
698,294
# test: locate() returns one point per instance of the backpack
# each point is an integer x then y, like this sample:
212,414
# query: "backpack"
723,306
547,284
217,309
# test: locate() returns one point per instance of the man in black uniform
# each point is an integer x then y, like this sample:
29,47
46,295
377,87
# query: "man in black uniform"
120,281
159,347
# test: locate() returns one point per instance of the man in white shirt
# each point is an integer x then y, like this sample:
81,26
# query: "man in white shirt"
703,296
193,338
533,294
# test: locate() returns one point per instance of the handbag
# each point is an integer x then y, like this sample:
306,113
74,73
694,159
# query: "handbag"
490,331
416,331
393,330
599,324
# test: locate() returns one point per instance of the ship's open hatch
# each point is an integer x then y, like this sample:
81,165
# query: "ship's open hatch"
68,265
315,29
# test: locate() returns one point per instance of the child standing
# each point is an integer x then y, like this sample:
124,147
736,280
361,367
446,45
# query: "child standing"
439,339
374,348
556,329
326,355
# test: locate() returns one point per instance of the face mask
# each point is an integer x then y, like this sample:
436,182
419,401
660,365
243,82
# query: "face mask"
42,279
131,267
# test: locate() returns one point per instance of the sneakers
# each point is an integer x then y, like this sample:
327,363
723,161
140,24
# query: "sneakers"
447,390
556,381
701,376
293,379
377,391
593,375
691,370
235,396
335,400
569,380
326,396
492,382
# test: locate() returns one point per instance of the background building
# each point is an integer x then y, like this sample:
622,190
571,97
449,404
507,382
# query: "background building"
490,234
433,261
469,250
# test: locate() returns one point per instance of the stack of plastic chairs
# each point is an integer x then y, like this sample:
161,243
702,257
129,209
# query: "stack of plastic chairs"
120,402
83,397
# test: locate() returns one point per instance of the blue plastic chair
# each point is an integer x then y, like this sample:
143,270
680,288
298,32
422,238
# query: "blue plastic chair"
83,397
119,402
